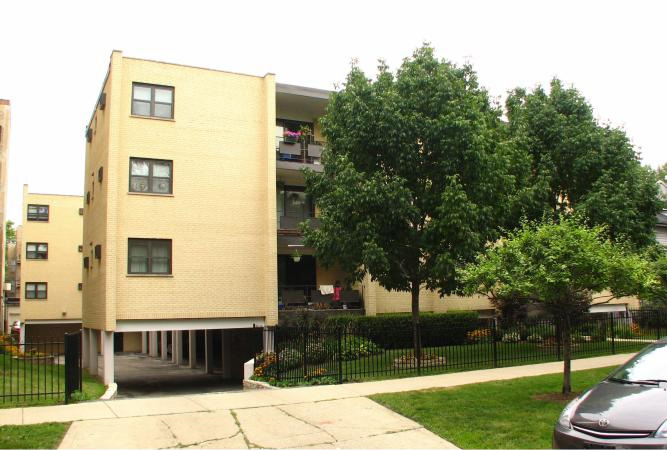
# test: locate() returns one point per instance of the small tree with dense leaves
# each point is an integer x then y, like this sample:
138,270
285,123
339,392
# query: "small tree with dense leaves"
415,177
563,266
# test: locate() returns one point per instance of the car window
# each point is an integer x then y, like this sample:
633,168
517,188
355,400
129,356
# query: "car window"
650,364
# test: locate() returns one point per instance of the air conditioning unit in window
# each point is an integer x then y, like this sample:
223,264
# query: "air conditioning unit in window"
86,262
88,198
102,102
100,174
80,248
81,211
98,251
80,286
89,134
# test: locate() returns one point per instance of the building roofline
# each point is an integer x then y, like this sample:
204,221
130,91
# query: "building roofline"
56,195
302,91
197,67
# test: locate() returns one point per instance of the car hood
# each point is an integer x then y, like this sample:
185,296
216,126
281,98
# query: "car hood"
626,407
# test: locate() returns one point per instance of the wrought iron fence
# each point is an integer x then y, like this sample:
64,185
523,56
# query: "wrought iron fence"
351,352
40,370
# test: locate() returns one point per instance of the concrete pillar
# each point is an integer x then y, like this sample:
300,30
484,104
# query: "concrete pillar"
107,351
192,348
175,346
268,339
164,345
144,342
226,354
152,343
85,347
208,351
92,354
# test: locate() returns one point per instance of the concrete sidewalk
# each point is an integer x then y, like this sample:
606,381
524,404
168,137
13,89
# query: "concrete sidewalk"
318,416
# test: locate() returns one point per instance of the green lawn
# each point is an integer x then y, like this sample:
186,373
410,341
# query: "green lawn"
499,414
458,358
24,382
43,435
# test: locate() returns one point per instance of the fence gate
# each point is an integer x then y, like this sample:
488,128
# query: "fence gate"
73,370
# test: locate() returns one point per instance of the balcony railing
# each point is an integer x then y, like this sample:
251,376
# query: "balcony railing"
308,296
309,152
292,223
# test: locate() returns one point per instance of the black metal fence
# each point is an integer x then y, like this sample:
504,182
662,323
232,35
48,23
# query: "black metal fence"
352,352
32,371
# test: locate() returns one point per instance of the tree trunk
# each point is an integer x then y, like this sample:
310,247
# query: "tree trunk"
567,355
416,335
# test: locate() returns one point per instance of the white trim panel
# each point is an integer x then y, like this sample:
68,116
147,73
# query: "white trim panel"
608,308
124,326
51,322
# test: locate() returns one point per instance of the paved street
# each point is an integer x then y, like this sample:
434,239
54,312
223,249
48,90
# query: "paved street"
319,417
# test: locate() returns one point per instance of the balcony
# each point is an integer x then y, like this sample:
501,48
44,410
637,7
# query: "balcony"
296,155
292,223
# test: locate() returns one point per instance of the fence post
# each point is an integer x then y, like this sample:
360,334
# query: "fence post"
72,366
493,341
613,334
340,356
558,340
659,313
305,347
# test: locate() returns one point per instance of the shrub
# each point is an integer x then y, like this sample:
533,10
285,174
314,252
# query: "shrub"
315,352
512,337
395,330
289,358
534,338
478,335
354,347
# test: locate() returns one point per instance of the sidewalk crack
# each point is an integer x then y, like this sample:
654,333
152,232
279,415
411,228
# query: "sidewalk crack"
173,435
212,440
109,408
245,438
311,424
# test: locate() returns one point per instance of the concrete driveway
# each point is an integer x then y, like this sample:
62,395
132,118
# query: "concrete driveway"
139,375
344,423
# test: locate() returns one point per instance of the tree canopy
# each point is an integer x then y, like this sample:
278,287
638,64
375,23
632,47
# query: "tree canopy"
415,176
579,166
563,266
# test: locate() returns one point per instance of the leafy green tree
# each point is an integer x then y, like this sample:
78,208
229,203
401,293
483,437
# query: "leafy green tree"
10,231
415,176
563,266
656,295
578,166
661,173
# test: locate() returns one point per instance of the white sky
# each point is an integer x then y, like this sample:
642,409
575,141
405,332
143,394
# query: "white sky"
54,56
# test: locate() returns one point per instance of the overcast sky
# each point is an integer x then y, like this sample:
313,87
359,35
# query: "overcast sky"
54,56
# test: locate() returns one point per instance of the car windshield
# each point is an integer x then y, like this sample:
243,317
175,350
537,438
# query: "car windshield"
649,366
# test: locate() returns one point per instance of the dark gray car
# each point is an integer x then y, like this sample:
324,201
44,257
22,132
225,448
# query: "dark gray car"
628,409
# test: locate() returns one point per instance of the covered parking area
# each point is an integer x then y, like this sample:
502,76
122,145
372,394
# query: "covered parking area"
158,357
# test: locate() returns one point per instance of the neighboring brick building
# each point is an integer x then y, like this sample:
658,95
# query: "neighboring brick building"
5,127
49,247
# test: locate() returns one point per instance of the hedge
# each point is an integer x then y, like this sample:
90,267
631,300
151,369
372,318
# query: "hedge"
395,330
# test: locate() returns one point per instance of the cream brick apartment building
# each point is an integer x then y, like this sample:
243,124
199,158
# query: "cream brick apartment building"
49,251
193,193
5,127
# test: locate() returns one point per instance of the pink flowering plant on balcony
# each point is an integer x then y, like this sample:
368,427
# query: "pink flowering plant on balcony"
292,136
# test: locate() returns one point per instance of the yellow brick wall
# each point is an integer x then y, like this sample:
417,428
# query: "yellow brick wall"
5,126
221,216
131,342
95,227
63,234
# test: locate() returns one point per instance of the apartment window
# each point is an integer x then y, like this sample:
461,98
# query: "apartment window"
152,101
37,250
35,290
151,175
149,256
39,213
